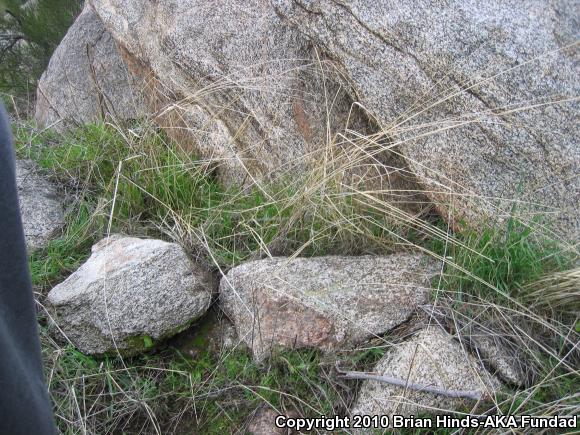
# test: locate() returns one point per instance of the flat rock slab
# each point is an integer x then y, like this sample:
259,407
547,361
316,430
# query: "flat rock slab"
431,358
326,303
130,294
41,205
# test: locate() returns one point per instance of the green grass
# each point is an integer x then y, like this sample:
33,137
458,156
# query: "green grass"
137,182
223,388
497,263
157,186
63,255
489,279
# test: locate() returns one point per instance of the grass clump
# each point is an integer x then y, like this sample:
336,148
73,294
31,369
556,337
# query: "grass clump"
64,255
135,181
168,391
489,287
146,183
556,291
496,263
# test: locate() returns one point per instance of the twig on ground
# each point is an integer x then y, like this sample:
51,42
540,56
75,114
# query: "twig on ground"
464,394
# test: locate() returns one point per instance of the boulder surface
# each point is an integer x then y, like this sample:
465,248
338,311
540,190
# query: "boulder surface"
328,303
431,358
473,103
480,97
229,79
130,294
41,205
233,82
86,79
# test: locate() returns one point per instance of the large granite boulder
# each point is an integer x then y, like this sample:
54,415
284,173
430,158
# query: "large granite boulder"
433,359
327,303
130,294
41,205
477,102
229,78
86,79
237,85
481,97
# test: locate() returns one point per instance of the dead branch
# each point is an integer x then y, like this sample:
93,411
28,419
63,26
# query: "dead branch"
463,394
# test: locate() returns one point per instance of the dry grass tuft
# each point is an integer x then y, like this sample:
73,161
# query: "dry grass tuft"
559,291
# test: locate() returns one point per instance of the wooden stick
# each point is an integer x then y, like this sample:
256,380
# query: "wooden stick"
464,394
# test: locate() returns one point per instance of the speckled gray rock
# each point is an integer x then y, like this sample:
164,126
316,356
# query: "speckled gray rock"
327,303
263,422
447,80
41,205
499,354
233,82
229,78
86,79
130,294
431,358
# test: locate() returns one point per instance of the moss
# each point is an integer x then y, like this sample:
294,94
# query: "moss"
141,343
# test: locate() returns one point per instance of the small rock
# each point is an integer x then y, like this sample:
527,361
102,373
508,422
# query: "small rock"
263,422
130,294
431,358
40,205
327,302
499,353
